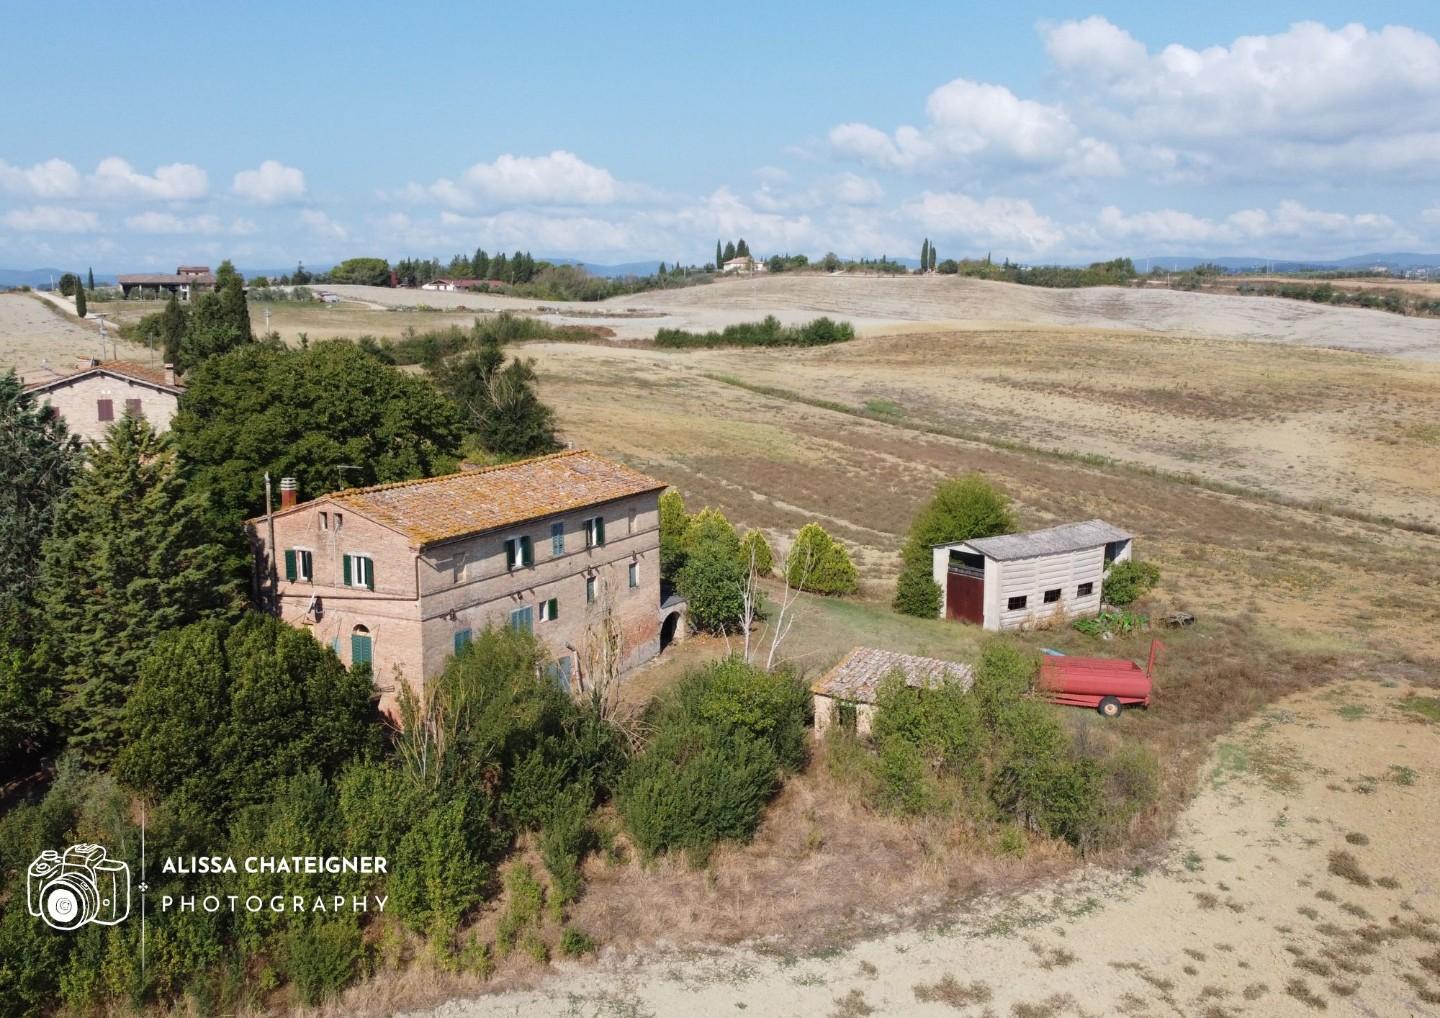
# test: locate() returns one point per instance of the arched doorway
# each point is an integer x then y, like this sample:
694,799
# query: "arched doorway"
360,646
669,629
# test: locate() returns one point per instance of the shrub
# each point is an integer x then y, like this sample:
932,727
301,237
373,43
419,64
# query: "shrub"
1126,582
907,784
673,522
322,959
819,564
563,844
942,724
961,509
709,529
753,546
767,332
444,864
574,943
732,696
522,910
713,584
1003,674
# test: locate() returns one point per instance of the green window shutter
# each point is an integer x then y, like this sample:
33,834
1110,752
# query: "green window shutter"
290,564
510,553
369,573
553,611
347,571
359,650
599,530
527,552
462,640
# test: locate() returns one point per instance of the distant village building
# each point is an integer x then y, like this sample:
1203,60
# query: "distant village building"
452,285
95,395
187,281
845,695
403,575
1016,580
744,263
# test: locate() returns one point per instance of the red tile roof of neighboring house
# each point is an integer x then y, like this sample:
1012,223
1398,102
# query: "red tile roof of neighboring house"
473,501
127,369
860,672
163,279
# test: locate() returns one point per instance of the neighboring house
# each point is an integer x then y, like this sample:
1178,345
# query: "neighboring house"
403,575
451,285
845,695
187,281
744,263
1017,580
94,396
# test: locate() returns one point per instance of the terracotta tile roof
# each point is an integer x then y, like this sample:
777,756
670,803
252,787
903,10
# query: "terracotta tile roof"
474,501
860,672
129,369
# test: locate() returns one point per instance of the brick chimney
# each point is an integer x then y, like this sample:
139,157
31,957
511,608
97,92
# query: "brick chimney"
289,492
170,374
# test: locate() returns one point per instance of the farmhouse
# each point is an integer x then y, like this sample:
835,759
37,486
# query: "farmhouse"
452,285
92,397
187,281
744,263
851,685
402,575
1016,580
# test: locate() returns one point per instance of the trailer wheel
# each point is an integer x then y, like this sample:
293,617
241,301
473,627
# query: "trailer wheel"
1109,707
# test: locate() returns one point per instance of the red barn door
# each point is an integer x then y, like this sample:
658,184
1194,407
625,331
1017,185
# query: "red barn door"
965,597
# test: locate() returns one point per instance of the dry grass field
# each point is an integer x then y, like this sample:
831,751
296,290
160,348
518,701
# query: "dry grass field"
35,335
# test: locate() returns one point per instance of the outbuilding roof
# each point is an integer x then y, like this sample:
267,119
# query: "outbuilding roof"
860,672
473,501
1051,541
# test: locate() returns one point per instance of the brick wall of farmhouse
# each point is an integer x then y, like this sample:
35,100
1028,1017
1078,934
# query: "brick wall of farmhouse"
470,578
78,403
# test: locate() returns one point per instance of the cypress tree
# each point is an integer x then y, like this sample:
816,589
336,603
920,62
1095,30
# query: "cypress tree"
129,559
925,254
729,252
174,321
81,308
91,287
932,257
718,261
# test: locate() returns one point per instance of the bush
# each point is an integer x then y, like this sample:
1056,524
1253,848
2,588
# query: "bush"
768,332
713,584
942,724
322,959
710,530
819,564
574,943
1126,582
444,865
961,509
731,696
673,523
522,910
563,844
753,546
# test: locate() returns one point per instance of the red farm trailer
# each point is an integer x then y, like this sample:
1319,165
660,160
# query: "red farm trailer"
1107,684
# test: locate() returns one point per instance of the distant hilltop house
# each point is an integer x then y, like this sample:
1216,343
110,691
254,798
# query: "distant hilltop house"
93,396
187,281
452,285
845,695
744,263
1016,580
403,575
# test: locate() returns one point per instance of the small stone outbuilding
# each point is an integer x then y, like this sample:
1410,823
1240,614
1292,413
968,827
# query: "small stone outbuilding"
852,684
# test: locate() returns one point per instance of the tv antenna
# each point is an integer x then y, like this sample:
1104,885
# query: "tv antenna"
340,469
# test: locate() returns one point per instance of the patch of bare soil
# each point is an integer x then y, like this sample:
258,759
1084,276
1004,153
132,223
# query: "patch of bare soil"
37,339
1302,879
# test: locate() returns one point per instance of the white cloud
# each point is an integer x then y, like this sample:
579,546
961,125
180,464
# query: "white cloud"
1011,222
1290,224
203,224
115,178
51,219
560,178
320,224
271,183
853,189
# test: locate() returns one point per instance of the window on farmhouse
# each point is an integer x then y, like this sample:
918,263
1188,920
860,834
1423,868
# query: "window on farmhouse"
324,521
595,532
299,565
1052,596
359,571
1085,590
590,588
105,409
557,539
518,553
549,610
634,575
133,408
1016,603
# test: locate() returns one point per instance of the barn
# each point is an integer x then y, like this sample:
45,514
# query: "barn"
845,695
1016,580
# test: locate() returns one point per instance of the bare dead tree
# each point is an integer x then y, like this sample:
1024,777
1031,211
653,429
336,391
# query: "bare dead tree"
603,650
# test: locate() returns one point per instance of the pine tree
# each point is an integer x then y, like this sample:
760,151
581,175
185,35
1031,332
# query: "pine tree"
482,264
925,254
661,271
742,250
91,286
173,324
129,559
729,252
81,308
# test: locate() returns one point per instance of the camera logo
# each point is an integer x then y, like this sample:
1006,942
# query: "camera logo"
82,886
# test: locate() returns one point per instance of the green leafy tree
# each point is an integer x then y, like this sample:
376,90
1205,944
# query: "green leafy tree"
754,547
819,563
221,712
81,305
499,399
710,529
167,329
713,584
69,283
962,508
364,271
303,413
673,522
39,459
300,277
219,323
226,274
129,558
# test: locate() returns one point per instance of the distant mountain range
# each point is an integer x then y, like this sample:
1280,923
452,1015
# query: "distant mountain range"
1395,261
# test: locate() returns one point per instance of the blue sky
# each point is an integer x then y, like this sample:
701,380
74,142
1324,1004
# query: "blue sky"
133,138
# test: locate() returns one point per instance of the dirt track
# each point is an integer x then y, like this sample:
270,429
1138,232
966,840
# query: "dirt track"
960,303
1297,881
